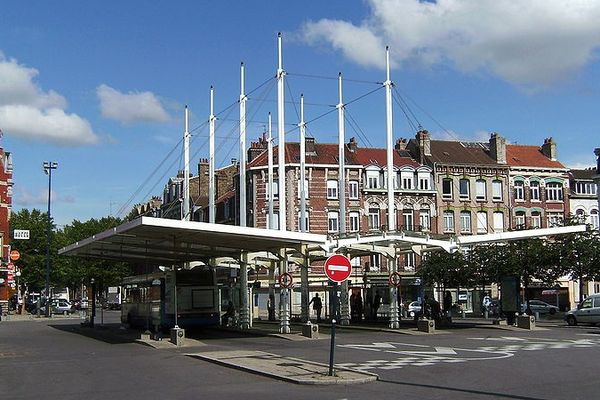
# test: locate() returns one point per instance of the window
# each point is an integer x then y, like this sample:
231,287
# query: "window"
353,190
534,190
463,185
407,217
374,216
332,189
305,189
519,191
424,220
354,221
409,262
333,221
554,192
482,222
480,189
447,189
424,180
306,221
407,180
497,190
585,188
375,262
498,222
536,220
594,220
275,189
520,220
275,223
372,179
580,214
555,219
465,221
448,221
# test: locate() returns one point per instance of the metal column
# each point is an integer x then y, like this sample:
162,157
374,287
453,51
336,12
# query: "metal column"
244,303
394,320
284,301
304,294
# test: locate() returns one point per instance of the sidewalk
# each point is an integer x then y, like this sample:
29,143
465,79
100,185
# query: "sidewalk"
285,368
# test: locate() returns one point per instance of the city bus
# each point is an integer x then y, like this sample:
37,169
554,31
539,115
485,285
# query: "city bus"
149,299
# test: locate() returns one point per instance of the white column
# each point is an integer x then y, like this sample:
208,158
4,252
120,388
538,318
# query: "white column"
304,294
211,160
281,137
186,166
284,301
244,303
302,125
394,320
270,175
243,99
341,161
390,145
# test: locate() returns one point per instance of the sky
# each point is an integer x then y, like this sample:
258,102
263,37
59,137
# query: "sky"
100,87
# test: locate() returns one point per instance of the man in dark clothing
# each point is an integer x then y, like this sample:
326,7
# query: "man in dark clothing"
271,307
317,306
376,304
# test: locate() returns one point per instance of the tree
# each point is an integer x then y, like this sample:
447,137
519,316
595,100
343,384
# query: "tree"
445,269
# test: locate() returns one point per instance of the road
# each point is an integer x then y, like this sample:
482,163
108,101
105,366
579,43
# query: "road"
44,359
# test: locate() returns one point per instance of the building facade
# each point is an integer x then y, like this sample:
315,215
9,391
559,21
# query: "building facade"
6,184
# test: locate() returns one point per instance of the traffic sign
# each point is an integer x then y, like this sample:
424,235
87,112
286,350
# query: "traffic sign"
22,234
395,279
338,268
15,255
285,280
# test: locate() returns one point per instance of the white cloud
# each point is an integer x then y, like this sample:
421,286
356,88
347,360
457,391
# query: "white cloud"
50,125
24,197
130,107
529,43
27,112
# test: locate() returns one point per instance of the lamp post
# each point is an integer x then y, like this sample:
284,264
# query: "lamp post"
93,282
48,167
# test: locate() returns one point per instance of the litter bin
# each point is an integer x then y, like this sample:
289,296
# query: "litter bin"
177,336
310,330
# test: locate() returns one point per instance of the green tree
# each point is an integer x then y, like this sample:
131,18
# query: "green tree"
445,269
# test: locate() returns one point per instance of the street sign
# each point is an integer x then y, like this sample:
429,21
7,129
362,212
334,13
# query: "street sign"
15,255
338,268
21,234
395,279
285,280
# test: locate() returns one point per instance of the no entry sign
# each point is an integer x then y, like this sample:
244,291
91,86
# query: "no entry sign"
338,268
285,280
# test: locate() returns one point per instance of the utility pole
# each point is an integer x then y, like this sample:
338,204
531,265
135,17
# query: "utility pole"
48,167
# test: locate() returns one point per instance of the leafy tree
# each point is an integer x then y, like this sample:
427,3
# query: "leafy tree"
445,269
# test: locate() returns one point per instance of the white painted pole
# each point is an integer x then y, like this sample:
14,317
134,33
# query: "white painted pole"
242,150
211,160
186,166
281,137
341,159
390,145
270,174
302,125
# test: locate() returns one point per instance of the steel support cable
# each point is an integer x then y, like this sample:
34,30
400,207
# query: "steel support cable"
356,128
403,108
404,105
332,78
141,186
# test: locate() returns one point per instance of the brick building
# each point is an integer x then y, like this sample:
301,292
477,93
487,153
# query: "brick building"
6,183
583,197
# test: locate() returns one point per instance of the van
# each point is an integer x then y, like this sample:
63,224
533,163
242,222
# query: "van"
587,312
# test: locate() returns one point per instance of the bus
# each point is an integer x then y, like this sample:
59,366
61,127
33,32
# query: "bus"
149,299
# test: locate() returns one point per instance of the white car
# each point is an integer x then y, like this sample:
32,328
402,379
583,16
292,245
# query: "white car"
588,312
414,308
540,307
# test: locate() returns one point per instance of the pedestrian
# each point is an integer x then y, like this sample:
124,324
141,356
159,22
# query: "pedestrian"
353,309
317,306
376,304
485,303
359,307
448,305
229,314
271,307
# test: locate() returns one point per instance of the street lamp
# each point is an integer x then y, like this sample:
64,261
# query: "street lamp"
48,167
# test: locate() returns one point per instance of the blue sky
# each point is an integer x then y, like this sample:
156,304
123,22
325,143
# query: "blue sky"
100,88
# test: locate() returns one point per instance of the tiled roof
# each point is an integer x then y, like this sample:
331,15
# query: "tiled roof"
529,156
453,152
328,154
587,173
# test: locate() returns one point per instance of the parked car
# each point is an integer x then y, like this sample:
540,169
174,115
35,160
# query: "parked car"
587,312
540,307
62,306
414,309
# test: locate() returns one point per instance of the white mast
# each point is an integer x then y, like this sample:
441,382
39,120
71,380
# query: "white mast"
211,160
390,144
281,137
270,174
302,125
341,159
186,166
242,150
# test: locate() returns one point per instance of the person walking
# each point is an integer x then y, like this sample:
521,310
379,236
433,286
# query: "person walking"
317,306
376,304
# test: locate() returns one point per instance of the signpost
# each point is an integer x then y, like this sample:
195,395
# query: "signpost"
395,279
15,255
338,269
286,281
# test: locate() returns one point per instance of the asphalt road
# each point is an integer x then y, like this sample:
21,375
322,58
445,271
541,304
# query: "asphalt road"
54,360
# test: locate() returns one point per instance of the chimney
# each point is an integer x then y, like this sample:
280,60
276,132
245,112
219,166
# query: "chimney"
424,143
256,148
310,146
401,144
203,167
549,148
352,144
498,148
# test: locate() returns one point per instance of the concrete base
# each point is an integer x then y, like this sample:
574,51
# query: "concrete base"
177,336
500,322
310,331
146,336
426,325
526,321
